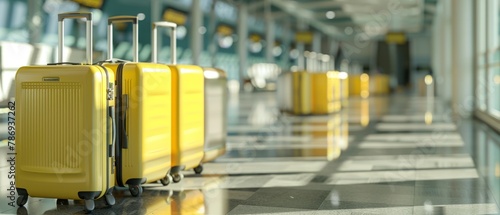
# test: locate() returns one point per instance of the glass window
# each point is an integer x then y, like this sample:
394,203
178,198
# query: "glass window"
494,91
481,55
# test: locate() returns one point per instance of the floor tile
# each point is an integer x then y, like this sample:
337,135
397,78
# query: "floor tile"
288,198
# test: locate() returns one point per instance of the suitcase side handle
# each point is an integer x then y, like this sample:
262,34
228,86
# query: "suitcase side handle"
88,37
173,40
135,34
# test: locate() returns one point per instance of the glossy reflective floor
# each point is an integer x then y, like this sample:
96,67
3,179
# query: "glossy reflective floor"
384,155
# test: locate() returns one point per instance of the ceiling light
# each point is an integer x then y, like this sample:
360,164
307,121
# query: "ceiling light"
330,14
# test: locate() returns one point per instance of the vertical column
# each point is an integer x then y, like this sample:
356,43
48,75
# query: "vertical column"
316,43
334,46
34,20
301,46
196,39
242,40
461,47
156,7
287,37
269,32
491,45
212,47
316,47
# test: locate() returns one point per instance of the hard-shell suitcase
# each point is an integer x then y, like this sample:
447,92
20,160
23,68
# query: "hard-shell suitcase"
301,92
187,109
215,115
284,92
322,93
344,88
143,92
359,85
65,135
379,84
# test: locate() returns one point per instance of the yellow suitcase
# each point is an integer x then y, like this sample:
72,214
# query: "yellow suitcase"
323,93
215,115
344,89
359,85
187,109
301,89
337,91
144,117
65,121
379,84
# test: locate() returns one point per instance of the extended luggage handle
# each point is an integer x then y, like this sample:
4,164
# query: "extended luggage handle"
173,40
75,15
135,34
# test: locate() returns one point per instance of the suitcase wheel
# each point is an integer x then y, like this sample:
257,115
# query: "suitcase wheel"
62,202
166,180
135,190
22,211
177,177
109,199
198,169
21,200
89,204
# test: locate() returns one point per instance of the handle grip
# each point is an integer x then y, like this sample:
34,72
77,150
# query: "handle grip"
75,15
135,37
173,40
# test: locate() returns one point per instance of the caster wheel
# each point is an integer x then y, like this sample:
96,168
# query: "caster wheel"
62,202
22,211
177,177
167,180
89,205
135,190
109,199
198,169
21,200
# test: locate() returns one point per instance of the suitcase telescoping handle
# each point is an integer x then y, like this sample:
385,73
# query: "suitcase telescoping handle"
135,37
75,15
173,40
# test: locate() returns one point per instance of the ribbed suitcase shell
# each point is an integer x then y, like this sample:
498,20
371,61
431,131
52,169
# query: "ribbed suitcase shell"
322,93
187,116
62,131
215,113
148,123
301,92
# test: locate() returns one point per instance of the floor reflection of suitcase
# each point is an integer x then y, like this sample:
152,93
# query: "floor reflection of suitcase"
187,109
215,115
65,119
144,97
188,202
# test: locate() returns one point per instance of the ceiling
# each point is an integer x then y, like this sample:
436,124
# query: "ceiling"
340,18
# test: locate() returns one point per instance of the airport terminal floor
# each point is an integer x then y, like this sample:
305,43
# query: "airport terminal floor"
382,155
